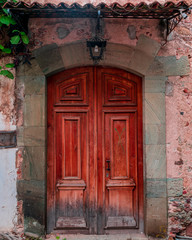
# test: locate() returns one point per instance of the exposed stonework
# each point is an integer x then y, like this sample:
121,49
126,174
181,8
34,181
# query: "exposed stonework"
180,214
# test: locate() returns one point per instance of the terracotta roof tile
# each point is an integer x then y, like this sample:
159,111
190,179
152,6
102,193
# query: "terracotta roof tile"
129,10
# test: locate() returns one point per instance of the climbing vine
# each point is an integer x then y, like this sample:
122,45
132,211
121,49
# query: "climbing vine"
10,37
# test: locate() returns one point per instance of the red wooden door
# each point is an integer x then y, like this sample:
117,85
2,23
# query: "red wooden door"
95,173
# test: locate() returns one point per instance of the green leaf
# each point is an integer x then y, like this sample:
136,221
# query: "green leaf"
25,39
1,47
12,21
6,50
57,237
15,30
0,67
15,39
7,73
10,65
5,20
22,33
5,11
3,1
15,1
64,238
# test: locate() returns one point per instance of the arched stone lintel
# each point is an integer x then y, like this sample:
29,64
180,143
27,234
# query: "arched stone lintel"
52,58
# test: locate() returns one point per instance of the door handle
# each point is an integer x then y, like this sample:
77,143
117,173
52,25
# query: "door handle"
108,165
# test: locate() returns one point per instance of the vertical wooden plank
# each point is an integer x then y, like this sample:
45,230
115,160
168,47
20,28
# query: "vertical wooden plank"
50,157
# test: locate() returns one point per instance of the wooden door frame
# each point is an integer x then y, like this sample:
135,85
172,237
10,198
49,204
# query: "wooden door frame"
50,163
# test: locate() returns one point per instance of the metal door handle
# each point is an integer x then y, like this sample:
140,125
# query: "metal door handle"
108,165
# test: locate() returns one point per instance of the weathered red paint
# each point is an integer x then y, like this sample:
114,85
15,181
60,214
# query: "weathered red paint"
95,180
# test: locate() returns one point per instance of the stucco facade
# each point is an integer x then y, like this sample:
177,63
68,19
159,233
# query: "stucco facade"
137,46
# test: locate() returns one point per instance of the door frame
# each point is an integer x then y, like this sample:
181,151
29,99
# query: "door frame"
50,163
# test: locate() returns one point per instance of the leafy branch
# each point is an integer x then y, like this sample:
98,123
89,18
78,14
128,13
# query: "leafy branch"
17,37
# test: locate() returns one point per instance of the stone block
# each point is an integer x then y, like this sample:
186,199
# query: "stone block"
155,134
155,84
148,45
155,111
49,59
31,189
145,52
75,54
34,136
118,55
155,161
175,187
34,110
34,163
29,70
34,85
156,187
32,228
149,116
169,66
156,217
20,135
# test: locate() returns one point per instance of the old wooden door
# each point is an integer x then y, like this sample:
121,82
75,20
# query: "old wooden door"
95,170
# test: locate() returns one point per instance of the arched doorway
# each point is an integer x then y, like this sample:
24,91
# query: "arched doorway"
95,165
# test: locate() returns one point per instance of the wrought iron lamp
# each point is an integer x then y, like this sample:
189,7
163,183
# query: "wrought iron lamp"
97,44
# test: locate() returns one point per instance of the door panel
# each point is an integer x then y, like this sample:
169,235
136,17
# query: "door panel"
95,173
118,90
71,162
72,89
120,154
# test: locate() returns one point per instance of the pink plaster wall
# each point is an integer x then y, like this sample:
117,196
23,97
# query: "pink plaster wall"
80,29
7,98
179,109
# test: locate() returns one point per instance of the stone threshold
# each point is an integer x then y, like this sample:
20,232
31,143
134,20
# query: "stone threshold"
98,237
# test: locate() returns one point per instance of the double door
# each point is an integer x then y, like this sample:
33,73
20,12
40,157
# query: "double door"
94,166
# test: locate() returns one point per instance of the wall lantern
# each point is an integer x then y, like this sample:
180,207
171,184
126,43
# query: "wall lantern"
97,44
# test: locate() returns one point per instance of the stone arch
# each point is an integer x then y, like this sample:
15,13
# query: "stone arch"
135,59
142,60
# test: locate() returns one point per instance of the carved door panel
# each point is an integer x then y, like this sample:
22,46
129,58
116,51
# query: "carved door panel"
120,141
94,148
69,150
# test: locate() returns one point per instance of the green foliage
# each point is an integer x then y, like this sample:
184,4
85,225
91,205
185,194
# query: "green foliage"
15,39
58,237
10,65
18,37
7,20
7,73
